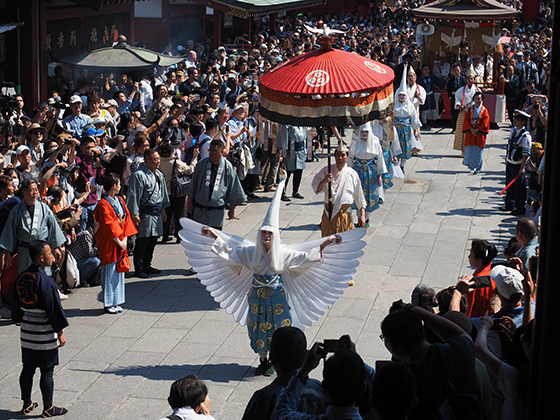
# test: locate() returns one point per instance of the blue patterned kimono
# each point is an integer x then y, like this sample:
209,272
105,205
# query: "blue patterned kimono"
388,176
268,310
367,171
402,124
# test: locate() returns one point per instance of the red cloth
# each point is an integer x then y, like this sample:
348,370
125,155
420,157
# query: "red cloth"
110,228
479,299
9,275
482,124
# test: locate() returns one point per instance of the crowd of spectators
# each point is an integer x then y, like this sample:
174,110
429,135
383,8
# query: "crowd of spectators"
94,125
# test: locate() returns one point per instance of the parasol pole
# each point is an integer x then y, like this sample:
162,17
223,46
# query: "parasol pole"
329,205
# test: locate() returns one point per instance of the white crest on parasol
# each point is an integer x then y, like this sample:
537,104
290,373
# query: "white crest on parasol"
317,78
375,67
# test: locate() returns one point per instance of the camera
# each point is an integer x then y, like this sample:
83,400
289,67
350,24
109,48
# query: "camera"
534,267
497,322
330,346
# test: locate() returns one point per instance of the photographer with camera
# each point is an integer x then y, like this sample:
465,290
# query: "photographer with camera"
345,378
92,172
76,122
16,115
404,336
288,348
36,135
25,169
172,166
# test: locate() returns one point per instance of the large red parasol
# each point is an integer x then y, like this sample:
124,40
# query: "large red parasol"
327,87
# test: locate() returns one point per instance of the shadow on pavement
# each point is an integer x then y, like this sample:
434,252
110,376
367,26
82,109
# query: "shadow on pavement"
221,372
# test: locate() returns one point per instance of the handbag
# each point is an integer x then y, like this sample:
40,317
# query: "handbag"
260,154
179,185
123,263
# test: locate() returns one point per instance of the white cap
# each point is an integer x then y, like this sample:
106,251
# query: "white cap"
110,103
22,148
74,99
508,280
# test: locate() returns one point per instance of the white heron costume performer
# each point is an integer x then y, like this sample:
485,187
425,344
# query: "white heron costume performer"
269,285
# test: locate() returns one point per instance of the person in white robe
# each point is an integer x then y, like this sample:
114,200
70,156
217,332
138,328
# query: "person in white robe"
366,158
267,285
407,122
388,137
417,96
464,100
346,189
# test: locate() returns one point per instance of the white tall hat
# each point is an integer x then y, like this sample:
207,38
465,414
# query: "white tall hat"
471,72
272,218
403,85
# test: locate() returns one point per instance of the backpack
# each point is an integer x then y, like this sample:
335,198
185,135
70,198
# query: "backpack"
457,406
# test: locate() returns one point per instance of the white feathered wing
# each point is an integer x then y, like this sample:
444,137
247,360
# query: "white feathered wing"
227,282
311,288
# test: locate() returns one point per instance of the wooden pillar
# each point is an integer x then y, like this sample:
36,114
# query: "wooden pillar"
131,36
217,30
43,56
294,19
273,22
33,77
248,27
83,35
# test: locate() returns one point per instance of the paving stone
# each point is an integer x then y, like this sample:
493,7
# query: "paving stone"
351,308
142,408
104,349
78,375
130,326
158,340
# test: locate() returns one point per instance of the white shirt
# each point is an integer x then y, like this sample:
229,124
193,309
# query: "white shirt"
479,70
346,187
205,148
467,100
187,413
411,92
147,95
442,71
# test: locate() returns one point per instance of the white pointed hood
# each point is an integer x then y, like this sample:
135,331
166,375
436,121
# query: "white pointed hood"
271,223
402,89
364,141
272,218
403,86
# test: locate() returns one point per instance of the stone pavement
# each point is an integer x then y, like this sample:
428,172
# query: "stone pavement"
121,366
